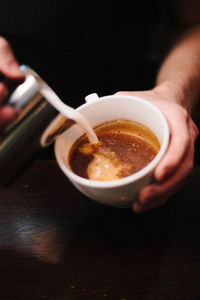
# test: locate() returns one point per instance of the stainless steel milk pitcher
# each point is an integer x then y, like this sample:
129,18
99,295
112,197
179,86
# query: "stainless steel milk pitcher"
21,138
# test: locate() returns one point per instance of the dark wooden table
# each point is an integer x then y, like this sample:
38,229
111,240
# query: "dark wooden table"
57,244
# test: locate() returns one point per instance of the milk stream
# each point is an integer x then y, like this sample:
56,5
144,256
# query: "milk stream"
68,111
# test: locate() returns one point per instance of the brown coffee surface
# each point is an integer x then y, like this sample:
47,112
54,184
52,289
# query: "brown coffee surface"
124,148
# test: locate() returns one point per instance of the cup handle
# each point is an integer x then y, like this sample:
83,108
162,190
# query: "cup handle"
91,98
55,128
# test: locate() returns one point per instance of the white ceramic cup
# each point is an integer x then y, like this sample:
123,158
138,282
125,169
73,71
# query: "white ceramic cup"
121,192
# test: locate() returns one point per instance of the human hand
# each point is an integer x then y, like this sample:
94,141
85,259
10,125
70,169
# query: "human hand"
9,67
178,161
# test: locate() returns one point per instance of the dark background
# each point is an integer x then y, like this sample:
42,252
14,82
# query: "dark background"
81,47
54,242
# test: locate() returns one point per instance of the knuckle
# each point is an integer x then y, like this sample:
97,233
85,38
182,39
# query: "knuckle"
182,111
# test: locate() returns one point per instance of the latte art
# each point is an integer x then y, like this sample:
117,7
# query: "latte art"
124,148
105,165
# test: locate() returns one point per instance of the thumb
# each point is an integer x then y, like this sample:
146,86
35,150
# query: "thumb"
8,63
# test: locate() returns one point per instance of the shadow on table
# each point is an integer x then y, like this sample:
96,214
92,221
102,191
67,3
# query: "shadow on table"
92,253
57,244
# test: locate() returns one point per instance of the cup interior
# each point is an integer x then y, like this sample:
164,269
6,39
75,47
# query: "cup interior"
110,108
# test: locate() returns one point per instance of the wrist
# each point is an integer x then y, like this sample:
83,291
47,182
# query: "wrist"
175,91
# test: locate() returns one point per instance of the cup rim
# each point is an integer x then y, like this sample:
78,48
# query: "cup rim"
125,180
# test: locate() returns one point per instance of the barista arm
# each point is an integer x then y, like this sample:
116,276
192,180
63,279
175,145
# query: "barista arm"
176,92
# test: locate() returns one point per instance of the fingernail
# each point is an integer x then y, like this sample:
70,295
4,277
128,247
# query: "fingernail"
15,68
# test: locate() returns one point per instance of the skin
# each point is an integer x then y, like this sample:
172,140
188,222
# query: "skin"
179,158
10,68
176,92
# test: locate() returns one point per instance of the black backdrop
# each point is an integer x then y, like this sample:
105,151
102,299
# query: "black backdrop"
80,47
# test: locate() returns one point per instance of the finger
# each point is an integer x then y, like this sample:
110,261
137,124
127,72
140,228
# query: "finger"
194,131
7,114
157,194
178,146
8,64
139,207
3,92
178,119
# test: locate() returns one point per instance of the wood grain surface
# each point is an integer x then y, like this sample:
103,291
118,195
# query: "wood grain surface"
57,244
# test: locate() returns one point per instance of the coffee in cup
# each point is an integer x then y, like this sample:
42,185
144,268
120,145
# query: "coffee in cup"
102,110
124,148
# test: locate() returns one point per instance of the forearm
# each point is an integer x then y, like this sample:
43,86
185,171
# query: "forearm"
179,73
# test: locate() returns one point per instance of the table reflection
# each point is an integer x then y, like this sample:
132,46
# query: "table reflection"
57,244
